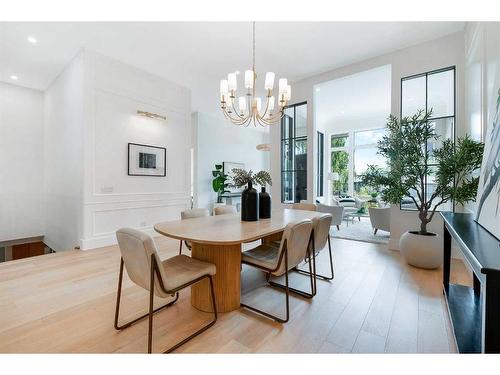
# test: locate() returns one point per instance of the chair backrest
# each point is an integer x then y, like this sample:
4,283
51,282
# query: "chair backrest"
222,210
296,237
195,212
304,206
321,227
136,248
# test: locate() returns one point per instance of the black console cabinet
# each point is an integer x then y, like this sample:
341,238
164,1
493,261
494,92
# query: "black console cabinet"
474,312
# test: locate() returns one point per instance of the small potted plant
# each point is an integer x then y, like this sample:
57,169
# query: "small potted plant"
249,196
408,156
219,183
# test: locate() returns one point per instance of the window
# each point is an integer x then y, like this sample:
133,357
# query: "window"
351,154
294,154
320,165
339,167
432,90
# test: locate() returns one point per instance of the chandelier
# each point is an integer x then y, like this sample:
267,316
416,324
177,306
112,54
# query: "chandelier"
247,109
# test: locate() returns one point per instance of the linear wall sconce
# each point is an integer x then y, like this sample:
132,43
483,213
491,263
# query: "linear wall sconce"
151,115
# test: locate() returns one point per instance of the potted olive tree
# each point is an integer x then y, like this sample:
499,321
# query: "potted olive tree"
408,155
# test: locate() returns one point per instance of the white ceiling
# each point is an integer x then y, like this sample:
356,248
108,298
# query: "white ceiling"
355,102
199,54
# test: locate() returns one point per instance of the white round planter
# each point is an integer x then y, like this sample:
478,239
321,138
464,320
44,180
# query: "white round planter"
421,251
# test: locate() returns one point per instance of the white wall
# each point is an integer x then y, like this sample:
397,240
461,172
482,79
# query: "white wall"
21,163
217,140
113,93
424,57
63,157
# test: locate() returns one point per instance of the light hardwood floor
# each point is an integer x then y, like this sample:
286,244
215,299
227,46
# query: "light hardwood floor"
65,302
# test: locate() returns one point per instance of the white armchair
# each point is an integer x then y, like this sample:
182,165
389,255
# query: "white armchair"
337,213
380,218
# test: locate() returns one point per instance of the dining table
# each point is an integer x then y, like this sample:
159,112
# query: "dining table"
218,240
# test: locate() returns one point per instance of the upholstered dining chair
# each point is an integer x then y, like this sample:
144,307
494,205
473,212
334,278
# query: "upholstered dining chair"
321,237
304,206
278,261
223,210
161,278
191,214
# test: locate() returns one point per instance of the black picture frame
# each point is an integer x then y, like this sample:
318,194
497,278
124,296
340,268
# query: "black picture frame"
130,145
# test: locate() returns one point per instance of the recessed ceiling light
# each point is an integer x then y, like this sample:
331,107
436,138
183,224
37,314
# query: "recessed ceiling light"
32,40
13,77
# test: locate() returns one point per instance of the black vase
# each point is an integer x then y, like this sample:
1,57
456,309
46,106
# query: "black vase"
264,204
249,204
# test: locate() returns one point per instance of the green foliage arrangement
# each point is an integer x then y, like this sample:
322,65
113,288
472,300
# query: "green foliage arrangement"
219,183
242,177
408,158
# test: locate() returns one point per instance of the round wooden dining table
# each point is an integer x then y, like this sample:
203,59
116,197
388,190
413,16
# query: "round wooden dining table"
218,240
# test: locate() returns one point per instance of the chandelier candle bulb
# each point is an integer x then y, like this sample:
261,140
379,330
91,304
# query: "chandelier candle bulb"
258,104
249,76
223,86
269,83
271,104
242,104
231,81
282,84
288,92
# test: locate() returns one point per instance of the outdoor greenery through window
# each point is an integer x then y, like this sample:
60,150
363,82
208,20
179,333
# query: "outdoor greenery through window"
351,153
431,91
294,154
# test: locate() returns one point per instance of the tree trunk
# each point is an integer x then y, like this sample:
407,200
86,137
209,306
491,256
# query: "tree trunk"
423,227
423,222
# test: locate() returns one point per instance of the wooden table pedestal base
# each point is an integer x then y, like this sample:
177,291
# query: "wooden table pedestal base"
227,260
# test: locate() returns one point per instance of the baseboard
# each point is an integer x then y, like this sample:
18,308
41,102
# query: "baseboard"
109,239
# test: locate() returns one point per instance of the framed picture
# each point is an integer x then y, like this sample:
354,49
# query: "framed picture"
488,193
227,168
146,160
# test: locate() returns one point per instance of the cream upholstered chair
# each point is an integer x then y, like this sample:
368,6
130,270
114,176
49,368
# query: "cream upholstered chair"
321,236
223,210
380,218
279,260
337,213
304,206
191,214
161,278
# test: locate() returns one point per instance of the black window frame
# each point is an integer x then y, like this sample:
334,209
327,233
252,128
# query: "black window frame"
454,117
292,138
320,173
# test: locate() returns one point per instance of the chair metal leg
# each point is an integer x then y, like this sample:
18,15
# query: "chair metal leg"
318,276
151,301
287,300
151,312
118,300
298,291
205,327
375,231
180,247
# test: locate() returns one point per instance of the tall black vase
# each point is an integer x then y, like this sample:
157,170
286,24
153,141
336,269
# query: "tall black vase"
264,204
249,204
